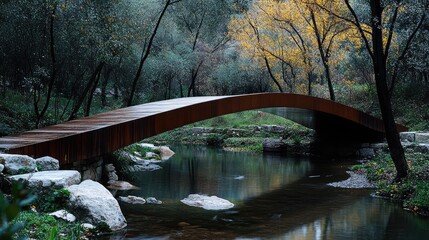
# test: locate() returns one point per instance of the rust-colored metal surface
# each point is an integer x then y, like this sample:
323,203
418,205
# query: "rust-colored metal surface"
103,133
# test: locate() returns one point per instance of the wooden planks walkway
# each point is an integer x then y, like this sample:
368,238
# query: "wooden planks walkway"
103,133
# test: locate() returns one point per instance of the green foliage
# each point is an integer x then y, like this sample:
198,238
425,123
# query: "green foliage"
137,148
214,139
9,210
413,190
43,226
53,200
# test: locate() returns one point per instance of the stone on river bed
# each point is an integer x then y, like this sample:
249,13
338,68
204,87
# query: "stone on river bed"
121,185
132,200
93,203
207,202
46,179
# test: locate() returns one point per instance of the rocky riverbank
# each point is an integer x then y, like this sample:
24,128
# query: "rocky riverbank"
67,203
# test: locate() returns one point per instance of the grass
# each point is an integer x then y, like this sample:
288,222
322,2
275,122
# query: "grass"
244,131
412,191
41,225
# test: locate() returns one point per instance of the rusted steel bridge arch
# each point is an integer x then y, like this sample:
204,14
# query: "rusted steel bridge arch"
103,133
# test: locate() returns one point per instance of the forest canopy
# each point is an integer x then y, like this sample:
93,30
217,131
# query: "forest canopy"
63,59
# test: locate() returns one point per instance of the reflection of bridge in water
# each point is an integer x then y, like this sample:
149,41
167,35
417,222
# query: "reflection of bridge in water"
103,133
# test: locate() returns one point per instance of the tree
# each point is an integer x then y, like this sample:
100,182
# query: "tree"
378,43
293,39
146,50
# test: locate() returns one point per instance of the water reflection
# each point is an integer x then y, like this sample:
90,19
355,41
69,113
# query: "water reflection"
276,200
367,218
234,176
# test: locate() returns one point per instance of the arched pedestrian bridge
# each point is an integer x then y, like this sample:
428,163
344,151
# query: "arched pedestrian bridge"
103,133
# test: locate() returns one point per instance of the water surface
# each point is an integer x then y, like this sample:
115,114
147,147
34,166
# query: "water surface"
275,197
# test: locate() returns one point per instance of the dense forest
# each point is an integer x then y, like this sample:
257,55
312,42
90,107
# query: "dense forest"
63,60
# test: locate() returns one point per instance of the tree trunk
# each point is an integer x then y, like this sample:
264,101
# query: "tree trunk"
145,54
41,114
91,93
323,57
267,64
380,71
106,76
73,114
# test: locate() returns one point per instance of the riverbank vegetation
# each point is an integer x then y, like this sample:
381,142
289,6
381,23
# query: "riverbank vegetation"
244,131
412,191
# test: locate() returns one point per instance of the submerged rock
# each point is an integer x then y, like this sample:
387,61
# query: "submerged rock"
47,164
152,200
207,202
17,164
132,200
121,185
93,203
47,179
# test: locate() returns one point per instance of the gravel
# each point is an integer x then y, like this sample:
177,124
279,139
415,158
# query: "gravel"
355,181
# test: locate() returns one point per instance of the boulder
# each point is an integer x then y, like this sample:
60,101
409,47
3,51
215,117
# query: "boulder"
423,148
152,155
274,145
408,136
47,164
165,152
207,202
63,214
152,200
112,176
17,164
93,203
366,152
133,200
422,137
109,167
47,179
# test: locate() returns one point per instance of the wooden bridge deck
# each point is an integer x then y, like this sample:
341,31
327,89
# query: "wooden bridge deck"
103,133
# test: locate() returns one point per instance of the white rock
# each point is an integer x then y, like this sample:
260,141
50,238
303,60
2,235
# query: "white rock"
422,137
87,226
15,164
207,202
93,203
1,168
47,164
152,155
152,200
408,136
46,179
133,200
165,152
63,214
148,145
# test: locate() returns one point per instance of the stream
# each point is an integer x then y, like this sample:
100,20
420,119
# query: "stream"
275,196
